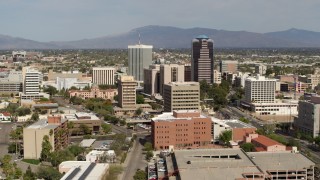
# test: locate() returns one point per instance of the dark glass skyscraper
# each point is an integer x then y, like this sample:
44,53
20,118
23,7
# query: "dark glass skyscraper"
202,59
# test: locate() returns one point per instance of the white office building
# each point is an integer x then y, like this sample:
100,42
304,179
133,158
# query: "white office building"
139,57
260,90
32,81
261,69
103,75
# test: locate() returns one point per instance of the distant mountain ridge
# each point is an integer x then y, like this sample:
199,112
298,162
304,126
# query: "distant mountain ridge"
173,37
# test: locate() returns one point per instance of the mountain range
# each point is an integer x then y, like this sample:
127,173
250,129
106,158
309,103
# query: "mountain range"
173,37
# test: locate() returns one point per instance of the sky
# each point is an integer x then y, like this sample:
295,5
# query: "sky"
65,20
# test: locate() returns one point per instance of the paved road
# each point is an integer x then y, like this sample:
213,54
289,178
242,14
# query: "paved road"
253,121
62,102
135,159
305,146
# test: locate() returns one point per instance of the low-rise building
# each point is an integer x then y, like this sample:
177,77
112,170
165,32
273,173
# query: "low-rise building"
94,92
239,129
82,120
5,117
55,127
75,170
181,129
263,143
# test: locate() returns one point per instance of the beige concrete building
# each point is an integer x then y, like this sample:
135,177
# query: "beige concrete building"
312,79
181,96
79,119
170,73
54,127
152,79
216,77
228,66
127,91
52,76
103,75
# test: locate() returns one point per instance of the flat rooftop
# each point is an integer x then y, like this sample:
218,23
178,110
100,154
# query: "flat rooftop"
43,124
81,116
87,142
168,116
234,123
83,170
180,83
280,160
217,163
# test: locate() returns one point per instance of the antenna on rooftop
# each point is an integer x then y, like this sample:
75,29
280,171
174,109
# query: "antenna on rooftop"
139,39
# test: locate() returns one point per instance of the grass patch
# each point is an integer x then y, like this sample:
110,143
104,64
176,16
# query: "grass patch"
31,161
114,171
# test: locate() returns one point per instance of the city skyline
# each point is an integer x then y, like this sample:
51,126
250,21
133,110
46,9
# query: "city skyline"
74,20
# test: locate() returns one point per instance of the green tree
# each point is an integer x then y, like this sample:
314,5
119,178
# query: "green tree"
119,142
116,97
317,140
50,90
243,119
140,99
149,155
247,147
293,142
85,129
140,175
22,111
58,157
226,136
46,149
138,111
114,171
148,146
76,149
48,173
7,166
29,175
106,128
35,116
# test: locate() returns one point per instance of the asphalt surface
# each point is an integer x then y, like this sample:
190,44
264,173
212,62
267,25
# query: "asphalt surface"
135,159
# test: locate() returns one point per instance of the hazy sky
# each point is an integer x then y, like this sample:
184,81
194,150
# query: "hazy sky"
60,20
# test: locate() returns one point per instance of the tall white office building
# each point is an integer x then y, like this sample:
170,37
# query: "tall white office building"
260,90
103,75
32,80
139,57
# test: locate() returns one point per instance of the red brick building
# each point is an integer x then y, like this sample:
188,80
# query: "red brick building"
181,129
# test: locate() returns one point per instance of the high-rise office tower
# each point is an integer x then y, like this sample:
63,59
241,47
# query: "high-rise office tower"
139,57
103,75
32,80
170,73
152,79
181,96
187,72
202,59
127,91
260,90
